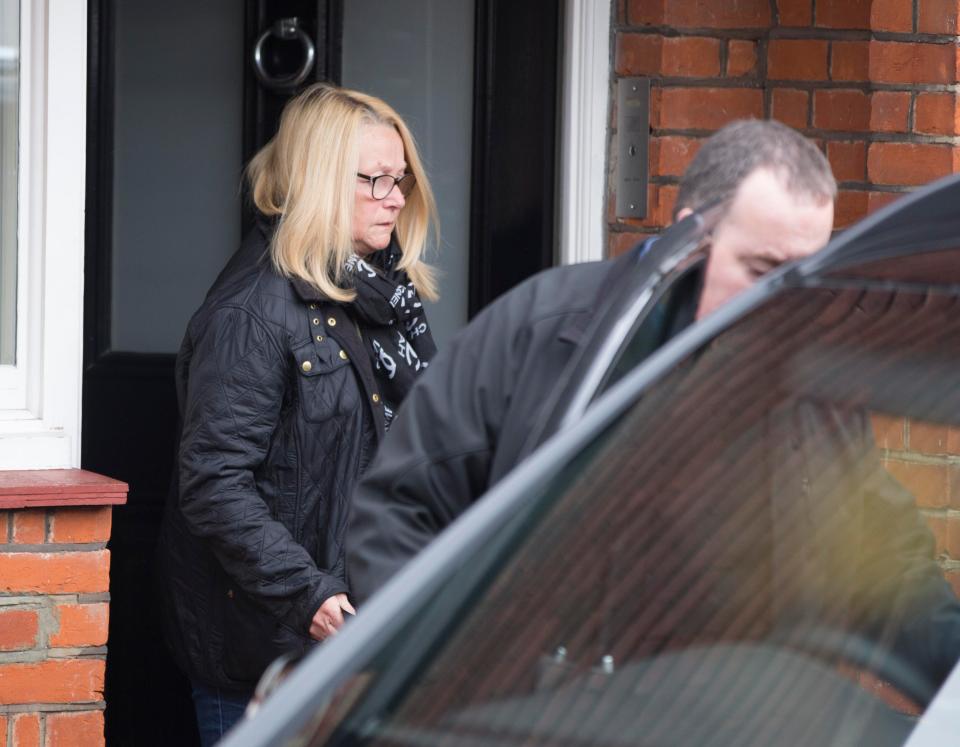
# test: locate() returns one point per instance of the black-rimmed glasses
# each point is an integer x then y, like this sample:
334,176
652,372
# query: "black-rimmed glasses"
383,184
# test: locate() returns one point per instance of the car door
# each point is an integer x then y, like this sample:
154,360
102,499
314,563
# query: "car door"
714,551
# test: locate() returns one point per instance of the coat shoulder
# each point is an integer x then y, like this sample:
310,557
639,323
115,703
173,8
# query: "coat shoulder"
251,286
557,291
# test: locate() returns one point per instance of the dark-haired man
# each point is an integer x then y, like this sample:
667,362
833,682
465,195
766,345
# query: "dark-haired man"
465,424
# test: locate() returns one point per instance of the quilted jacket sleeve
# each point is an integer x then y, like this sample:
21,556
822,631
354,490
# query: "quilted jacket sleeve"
236,383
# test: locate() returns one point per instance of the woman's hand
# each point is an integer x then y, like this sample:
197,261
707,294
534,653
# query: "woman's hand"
329,618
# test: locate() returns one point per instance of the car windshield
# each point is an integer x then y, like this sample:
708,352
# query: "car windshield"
746,555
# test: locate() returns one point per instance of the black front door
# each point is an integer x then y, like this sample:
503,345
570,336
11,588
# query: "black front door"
176,107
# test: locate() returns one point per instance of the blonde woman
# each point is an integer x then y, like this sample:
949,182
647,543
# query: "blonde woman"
287,378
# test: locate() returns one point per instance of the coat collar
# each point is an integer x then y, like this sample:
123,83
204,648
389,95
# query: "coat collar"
267,226
618,272
307,292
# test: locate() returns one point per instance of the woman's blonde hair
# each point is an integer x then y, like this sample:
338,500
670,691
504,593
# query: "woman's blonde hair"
307,175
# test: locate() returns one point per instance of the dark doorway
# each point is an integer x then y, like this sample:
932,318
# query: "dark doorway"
175,108
514,145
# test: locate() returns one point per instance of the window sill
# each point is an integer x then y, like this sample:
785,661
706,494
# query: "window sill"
59,487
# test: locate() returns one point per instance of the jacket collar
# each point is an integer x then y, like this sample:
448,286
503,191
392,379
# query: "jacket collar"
308,292
618,272
267,226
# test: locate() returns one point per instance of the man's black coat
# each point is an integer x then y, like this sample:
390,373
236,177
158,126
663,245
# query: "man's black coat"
468,421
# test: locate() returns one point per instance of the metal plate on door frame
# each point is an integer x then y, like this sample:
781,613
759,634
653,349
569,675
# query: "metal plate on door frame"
633,134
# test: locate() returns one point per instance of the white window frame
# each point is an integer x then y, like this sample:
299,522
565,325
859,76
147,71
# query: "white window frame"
13,377
583,155
40,395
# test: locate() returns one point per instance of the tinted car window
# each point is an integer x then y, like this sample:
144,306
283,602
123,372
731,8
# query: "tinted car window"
934,267
728,563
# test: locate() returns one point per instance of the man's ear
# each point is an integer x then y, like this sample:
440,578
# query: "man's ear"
682,213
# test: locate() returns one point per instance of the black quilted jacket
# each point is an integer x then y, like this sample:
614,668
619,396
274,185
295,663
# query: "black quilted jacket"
278,420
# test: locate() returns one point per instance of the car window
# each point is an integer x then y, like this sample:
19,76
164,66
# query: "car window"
731,562
937,267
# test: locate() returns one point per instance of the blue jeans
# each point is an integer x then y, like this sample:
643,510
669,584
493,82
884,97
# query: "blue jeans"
217,711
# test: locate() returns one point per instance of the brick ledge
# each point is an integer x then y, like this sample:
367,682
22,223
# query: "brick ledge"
59,487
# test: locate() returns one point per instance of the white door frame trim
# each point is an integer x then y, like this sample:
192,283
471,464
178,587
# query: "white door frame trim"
585,114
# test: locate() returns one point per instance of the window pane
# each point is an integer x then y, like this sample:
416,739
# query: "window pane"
735,562
434,38
9,108
178,145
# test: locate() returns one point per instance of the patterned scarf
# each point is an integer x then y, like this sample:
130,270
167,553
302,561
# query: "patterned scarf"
394,325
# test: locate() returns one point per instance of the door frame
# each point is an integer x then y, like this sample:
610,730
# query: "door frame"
587,93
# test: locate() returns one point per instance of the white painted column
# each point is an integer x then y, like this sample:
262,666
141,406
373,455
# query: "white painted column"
585,108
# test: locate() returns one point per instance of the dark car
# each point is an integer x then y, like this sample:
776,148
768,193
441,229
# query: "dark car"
709,549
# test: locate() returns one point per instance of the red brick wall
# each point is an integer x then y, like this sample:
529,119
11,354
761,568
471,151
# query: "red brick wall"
870,80
54,607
